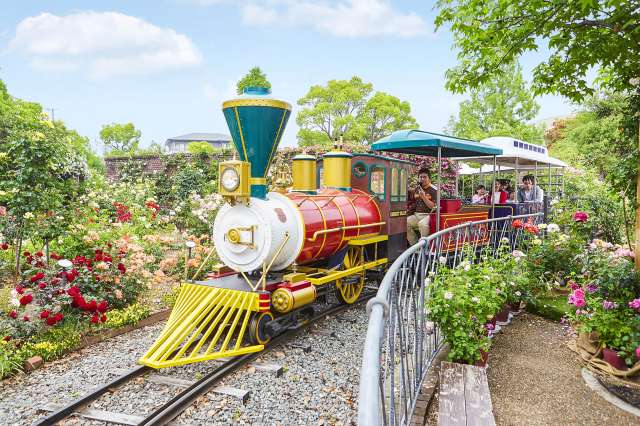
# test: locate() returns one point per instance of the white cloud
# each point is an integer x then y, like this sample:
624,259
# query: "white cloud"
345,18
103,43
202,2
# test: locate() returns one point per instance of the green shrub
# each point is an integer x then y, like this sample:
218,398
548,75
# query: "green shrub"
132,314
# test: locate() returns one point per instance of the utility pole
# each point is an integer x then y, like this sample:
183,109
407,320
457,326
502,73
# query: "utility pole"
53,114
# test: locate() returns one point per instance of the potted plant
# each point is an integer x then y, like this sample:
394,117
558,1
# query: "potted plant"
463,303
449,202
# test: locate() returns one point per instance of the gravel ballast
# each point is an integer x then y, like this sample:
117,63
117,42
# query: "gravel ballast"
317,387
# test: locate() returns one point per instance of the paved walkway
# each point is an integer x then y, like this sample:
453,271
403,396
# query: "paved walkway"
534,379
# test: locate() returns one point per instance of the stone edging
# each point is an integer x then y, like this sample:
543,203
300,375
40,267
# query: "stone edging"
92,339
36,361
595,386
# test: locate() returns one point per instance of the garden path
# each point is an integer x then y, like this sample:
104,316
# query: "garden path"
535,379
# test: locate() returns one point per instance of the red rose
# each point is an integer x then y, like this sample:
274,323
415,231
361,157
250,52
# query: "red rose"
44,314
26,299
37,277
55,281
122,268
51,321
103,318
92,306
103,306
7,338
73,291
26,254
13,314
39,254
25,318
42,285
95,319
70,276
20,290
4,246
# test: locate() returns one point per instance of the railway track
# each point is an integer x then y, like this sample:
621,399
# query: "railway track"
179,403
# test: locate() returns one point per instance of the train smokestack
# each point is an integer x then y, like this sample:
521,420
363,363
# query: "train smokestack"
256,122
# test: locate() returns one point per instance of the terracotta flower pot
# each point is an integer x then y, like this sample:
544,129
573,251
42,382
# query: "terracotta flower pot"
484,359
612,357
503,315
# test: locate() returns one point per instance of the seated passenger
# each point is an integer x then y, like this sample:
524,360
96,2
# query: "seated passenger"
530,192
424,197
480,197
499,195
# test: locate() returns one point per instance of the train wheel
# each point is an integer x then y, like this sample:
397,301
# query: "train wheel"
349,291
257,331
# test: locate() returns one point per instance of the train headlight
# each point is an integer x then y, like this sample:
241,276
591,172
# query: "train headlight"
230,179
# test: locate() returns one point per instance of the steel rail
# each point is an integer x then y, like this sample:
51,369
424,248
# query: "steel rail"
174,407
171,409
75,405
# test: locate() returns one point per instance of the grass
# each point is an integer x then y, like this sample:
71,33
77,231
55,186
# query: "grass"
550,306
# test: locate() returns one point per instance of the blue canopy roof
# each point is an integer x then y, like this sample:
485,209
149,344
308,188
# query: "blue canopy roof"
419,142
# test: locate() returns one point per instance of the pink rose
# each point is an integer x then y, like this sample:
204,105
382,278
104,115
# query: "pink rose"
580,216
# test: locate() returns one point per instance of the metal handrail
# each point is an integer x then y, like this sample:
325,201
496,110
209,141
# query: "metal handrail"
371,394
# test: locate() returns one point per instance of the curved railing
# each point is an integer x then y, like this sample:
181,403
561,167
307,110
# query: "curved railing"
401,342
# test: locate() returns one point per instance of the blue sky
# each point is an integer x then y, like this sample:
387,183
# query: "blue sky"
167,65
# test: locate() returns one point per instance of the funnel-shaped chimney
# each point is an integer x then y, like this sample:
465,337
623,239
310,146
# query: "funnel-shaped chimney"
256,122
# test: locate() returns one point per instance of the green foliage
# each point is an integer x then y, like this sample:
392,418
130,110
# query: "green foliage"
170,299
254,78
200,148
42,166
346,108
603,138
131,314
465,298
579,35
120,137
501,106
9,362
590,195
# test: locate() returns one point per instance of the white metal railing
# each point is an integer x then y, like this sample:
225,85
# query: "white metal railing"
401,341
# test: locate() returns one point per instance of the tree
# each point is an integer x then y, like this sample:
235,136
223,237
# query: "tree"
501,106
42,169
254,78
346,108
602,138
384,113
580,35
200,148
120,137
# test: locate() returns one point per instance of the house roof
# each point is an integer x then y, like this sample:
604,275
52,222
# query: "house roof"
198,137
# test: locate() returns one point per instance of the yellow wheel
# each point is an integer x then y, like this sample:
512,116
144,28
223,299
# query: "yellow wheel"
257,332
348,289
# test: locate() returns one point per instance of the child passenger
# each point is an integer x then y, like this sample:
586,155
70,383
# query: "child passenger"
480,197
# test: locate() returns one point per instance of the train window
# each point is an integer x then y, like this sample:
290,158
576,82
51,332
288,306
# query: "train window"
395,187
403,185
359,169
377,181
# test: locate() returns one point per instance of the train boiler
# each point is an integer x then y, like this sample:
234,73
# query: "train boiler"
280,250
